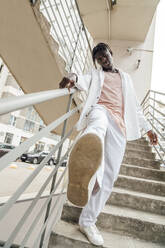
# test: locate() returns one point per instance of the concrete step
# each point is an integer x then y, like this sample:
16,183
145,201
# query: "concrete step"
142,162
136,200
68,235
141,172
131,145
142,141
2,244
134,153
125,221
141,185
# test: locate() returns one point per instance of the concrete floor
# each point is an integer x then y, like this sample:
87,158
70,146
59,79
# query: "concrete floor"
10,179
17,172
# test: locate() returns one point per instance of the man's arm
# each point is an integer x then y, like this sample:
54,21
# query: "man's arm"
144,124
81,82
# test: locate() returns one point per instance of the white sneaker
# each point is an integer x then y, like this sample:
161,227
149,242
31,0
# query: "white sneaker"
92,234
84,160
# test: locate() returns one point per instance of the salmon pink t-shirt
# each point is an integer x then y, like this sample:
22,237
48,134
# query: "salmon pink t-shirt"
112,98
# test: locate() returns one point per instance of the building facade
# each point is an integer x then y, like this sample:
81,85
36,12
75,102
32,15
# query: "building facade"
18,126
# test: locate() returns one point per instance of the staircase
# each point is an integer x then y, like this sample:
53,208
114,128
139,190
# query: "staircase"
134,216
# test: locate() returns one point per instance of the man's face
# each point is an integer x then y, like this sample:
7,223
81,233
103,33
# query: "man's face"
104,58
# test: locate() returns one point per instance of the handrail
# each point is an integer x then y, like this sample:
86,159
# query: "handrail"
161,113
16,152
158,92
161,159
146,108
163,104
146,100
162,149
145,97
14,103
155,121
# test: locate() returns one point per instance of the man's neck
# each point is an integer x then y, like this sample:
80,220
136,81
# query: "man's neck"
110,69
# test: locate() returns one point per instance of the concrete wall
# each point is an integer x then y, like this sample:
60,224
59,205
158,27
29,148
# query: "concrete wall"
5,119
128,61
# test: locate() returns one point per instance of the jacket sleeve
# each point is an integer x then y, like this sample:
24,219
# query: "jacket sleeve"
83,82
143,122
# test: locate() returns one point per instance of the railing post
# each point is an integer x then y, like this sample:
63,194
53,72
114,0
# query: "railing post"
55,175
153,111
83,26
78,36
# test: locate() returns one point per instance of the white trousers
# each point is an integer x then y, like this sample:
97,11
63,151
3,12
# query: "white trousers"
100,122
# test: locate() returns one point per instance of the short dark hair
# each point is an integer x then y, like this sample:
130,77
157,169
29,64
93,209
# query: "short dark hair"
100,47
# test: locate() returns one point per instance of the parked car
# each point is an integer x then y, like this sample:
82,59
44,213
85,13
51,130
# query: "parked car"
5,148
36,157
64,163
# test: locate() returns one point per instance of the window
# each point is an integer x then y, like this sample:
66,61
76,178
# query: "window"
8,138
40,128
29,126
39,146
41,125
50,147
12,120
31,114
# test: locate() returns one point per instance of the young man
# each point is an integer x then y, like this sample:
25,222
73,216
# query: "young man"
110,117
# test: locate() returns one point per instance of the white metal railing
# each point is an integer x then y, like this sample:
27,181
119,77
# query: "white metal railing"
68,29
7,106
153,106
15,153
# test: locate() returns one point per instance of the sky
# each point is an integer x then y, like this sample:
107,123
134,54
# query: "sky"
158,70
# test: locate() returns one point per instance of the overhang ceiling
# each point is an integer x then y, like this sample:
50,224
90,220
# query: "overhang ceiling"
128,20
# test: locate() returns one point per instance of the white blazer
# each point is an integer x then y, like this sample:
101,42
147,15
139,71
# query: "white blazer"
133,115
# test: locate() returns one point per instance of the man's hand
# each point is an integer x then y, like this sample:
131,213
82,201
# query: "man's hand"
69,81
66,83
153,137
96,188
